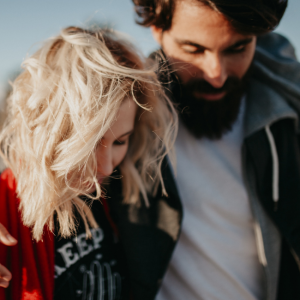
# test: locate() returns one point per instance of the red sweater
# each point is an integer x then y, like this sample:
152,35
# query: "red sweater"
31,263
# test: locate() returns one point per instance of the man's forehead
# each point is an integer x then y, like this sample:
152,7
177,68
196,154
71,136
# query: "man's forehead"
201,25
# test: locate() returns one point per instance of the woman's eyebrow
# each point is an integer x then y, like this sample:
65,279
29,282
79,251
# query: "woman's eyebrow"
127,133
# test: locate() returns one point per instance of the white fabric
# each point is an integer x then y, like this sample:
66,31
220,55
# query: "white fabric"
216,257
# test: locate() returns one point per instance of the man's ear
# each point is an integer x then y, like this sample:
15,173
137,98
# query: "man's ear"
157,34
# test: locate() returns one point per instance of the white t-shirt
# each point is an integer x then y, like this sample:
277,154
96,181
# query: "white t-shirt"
216,257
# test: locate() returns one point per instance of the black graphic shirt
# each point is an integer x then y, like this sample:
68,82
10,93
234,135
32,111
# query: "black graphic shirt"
90,269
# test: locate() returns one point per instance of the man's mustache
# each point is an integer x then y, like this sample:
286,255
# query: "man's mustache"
201,86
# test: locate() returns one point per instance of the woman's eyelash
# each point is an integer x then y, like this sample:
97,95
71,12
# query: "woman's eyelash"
119,143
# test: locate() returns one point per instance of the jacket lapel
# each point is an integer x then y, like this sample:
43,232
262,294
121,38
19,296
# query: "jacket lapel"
148,234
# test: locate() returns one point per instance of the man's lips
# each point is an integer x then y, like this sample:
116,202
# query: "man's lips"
211,96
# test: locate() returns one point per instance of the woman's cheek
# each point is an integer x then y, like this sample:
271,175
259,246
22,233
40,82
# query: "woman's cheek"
119,154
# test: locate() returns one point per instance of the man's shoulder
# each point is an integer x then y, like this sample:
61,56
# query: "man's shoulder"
276,67
275,62
277,46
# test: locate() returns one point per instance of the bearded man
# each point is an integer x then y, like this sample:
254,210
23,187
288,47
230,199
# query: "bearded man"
237,89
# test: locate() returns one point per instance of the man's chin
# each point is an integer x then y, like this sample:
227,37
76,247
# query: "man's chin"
210,118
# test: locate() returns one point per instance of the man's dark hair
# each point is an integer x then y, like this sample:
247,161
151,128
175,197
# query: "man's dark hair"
246,16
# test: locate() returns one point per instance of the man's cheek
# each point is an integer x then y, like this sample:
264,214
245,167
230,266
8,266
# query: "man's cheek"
189,72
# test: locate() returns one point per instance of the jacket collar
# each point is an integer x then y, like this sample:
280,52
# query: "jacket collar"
265,106
274,92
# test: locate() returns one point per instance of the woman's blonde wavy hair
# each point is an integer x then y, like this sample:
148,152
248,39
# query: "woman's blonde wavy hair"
61,106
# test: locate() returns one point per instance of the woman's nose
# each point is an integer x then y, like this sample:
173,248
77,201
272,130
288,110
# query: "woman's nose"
104,161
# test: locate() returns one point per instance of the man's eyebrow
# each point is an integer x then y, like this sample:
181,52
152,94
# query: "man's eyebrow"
235,45
186,42
241,43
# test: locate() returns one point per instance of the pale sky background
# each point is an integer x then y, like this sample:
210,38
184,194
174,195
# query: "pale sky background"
25,23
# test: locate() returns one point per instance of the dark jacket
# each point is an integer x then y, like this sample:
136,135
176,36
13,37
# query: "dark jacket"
271,170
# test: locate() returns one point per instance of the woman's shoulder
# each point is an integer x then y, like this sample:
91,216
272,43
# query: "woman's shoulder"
7,180
9,201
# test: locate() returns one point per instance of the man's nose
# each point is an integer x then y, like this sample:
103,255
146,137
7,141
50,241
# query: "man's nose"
105,165
214,70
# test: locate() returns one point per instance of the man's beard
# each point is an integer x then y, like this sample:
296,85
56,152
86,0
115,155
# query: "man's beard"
209,118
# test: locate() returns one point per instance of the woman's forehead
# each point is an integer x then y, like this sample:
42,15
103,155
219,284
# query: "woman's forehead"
125,120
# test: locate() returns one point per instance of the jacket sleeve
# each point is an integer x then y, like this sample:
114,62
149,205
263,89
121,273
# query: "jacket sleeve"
31,263
8,212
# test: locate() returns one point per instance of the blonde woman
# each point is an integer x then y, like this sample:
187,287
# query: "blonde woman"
85,104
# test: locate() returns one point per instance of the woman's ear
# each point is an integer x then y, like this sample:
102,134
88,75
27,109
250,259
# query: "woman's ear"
156,33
